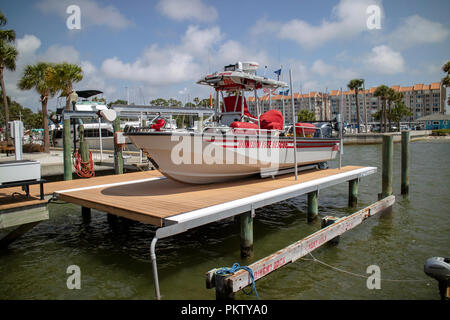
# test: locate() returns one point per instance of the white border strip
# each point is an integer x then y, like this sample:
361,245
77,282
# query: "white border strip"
109,185
184,217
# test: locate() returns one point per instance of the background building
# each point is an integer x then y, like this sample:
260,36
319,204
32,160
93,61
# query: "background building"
421,99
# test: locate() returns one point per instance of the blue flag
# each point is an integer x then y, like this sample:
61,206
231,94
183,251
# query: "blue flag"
277,72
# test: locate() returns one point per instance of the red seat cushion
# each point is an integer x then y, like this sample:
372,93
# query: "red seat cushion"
305,128
271,120
230,102
242,127
158,124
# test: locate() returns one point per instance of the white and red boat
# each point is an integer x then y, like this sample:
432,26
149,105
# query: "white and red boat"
235,144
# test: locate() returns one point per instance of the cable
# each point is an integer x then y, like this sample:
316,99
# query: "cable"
314,259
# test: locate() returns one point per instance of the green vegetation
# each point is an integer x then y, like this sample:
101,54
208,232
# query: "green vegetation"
35,77
118,101
62,77
8,56
356,84
30,119
441,132
306,115
446,79
382,93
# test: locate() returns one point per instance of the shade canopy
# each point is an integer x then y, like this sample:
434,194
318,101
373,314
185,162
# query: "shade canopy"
87,93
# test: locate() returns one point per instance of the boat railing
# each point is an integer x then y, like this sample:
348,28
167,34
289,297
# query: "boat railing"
224,129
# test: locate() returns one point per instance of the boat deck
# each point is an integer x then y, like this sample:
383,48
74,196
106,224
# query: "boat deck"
150,198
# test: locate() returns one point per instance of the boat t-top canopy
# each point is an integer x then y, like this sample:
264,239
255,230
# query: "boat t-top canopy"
241,76
88,93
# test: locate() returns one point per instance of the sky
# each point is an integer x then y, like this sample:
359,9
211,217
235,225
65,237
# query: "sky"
160,48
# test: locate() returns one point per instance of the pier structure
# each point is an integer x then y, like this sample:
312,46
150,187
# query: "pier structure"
176,207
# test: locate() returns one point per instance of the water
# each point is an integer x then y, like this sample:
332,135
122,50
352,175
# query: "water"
115,264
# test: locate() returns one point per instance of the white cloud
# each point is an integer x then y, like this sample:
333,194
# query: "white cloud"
416,30
91,13
156,67
187,60
348,19
384,60
194,10
58,54
326,70
28,47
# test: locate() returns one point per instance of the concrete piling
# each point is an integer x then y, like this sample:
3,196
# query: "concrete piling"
353,193
313,205
246,225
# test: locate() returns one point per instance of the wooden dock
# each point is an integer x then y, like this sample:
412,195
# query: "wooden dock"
159,201
175,207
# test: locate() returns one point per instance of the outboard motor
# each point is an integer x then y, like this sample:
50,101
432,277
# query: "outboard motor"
326,130
439,269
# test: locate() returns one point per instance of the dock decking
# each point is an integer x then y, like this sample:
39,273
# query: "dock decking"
150,198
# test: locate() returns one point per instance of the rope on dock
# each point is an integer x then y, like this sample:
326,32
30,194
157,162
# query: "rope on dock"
314,259
236,267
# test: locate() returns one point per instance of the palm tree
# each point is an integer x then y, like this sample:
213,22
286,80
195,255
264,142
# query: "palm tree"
36,76
400,110
393,97
8,56
446,79
356,84
62,77
382,92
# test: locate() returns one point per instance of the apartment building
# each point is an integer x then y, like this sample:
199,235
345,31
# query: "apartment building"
421,99
317,102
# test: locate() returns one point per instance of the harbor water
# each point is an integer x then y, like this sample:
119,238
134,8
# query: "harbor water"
115,262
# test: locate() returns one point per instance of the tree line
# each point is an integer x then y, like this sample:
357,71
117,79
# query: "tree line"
46,78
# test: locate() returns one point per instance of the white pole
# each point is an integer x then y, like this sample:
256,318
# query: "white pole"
140,150
242,104
100,138
293,125
341,150
270,99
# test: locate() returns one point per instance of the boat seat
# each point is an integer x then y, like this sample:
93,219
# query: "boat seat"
271,120
230,103
158,124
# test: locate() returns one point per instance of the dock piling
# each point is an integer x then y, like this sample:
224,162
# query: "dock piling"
353,193
86,214
112,220
246,225
118,159
405,162
67,150
387,165
313,205
329,220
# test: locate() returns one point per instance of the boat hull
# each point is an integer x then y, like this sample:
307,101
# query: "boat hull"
208,158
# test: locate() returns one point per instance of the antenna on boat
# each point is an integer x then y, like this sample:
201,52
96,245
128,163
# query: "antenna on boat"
293,125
